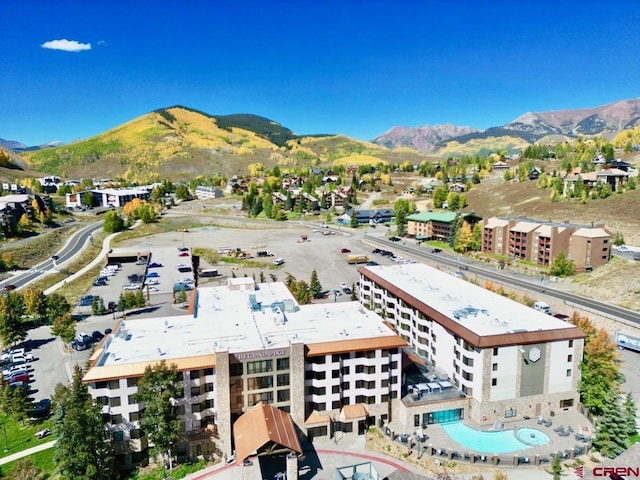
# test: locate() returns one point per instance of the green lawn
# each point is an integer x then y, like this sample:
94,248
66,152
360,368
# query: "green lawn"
20,437
43,460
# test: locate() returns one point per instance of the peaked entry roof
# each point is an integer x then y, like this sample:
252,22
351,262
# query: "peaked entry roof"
261,425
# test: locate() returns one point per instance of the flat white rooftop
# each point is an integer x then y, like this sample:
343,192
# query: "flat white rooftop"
481,311
240,319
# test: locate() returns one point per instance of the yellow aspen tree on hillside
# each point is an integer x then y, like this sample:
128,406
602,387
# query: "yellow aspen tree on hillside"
255,169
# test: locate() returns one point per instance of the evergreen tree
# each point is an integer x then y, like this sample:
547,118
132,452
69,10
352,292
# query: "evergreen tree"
15,402
401,209
315,288
353,223
288,203
562,266
611,435
57,306
158,389
354,295
456,225
556,467
113,222
81,449
630,414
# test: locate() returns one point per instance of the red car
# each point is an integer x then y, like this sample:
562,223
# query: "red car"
345,250
183,254
9,287
17,378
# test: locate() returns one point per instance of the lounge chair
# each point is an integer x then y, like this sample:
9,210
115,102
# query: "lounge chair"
466,456
455,454
540,420
559,429
564,434
483,458
544,460
570,429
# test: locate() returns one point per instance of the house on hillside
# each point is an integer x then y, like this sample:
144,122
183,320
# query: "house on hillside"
457,187
534,173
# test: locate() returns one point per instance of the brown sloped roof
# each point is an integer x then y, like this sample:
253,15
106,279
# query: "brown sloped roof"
355,345
261,425
471,337
353,412
316,418
127,370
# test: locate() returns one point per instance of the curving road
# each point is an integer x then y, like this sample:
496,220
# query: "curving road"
73,247
511,279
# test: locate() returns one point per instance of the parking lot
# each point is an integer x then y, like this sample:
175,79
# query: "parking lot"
324,253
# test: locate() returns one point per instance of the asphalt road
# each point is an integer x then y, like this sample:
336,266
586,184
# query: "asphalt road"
72,248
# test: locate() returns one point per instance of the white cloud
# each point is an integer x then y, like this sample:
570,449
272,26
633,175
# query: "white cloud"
66,45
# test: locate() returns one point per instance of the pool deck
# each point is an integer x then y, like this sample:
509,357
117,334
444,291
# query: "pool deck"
441,445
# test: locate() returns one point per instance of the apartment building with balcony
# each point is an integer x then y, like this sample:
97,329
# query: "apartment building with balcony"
323,368
502,358
541,242
436,225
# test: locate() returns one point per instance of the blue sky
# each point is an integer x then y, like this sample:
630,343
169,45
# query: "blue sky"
352,67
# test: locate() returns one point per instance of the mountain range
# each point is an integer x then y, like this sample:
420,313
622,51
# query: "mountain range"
180,142
530,127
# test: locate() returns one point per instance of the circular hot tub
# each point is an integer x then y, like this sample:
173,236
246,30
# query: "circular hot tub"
532,437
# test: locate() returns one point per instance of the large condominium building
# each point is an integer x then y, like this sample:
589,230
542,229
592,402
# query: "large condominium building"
541,242
248,348
505,358
437,225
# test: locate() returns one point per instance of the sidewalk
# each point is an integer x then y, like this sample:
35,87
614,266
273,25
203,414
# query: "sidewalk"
27,452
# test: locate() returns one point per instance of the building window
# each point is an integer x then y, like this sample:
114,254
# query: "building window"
132,382
208,371
118,436
282,364
345,370
179,376
114,384
209,403
283,379
134,416
136,433
180,410
568,372
283,395
467,361
416,420
101,384
467,376
208,387
195,391
114,402
494,382
195,374
196,407
566,403
235,370
570,343
495,351
115,419
260,366
335,389
335,373
569,358
258,383
494,367
336,404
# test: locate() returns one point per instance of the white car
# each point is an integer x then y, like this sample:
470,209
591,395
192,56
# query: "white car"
153,282
131,286
623,248
187,281
14,369
343,285
153,289
27,357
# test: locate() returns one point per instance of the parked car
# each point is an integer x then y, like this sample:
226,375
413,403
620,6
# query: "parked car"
345,250
436,250
9,287
154,265
79,346
19,377
153,282
372,264
183,254
107,331
26,356
42,409
343,285
562,316
19,384
15,370
181,287
99,283
394,239
131,286
347,291
183,249
623,248
97,336
152,275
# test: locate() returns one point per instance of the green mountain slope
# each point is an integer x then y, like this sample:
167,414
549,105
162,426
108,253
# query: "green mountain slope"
180,143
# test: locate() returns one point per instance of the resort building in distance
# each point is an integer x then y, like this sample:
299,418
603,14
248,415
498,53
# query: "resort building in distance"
258,369
541,242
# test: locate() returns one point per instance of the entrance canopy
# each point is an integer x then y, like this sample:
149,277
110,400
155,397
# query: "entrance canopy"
264,429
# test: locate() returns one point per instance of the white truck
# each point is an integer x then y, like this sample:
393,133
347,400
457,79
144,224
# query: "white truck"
542,307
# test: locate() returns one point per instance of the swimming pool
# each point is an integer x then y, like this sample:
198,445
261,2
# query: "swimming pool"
492,442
